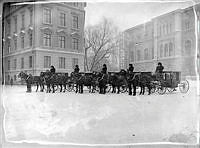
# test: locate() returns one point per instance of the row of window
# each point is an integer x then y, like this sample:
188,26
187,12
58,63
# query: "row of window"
47,41
166,50
147,55
47,18
61,62
47,62
15,42
22,63
165,28
22,17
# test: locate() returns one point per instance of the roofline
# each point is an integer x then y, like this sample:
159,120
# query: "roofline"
162,15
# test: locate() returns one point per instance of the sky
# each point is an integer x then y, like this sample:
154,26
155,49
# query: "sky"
128,14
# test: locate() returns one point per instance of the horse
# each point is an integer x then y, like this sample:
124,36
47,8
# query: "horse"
142,80
57,79
32,80
90,80
78,79
103,81
117,80
145,80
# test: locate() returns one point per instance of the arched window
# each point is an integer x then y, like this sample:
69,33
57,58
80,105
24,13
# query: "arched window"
188,47
161,50
166,50
170,49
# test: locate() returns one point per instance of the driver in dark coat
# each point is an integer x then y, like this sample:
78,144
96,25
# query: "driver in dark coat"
159,68
102,84
131,68
52,69
53,76
131,84
104,69
159,71
76,69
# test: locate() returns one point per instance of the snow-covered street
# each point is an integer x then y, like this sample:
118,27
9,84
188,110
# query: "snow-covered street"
100,119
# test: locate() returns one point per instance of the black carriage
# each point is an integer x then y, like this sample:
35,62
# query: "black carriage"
170,81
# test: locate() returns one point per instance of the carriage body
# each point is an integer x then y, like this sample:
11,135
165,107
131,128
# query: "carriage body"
170,81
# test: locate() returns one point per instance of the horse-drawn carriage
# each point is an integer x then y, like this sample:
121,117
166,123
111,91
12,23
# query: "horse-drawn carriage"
169,82
115,81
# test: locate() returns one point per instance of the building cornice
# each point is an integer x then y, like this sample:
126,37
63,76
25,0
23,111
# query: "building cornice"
42,50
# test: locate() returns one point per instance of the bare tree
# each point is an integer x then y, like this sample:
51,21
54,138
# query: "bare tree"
99,41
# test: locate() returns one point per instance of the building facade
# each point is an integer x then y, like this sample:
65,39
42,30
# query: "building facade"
169,39
41,35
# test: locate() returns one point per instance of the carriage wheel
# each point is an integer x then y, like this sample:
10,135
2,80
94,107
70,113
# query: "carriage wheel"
171,89
70,87
123,88
153,90
108,88
97,89
184,86
161,90
56,87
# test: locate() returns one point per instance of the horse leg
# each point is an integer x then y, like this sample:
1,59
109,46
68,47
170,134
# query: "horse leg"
53,88
134,90
47,91
37,87
79,90
76,88
104,89
64,85
143,89
149,88
100,89
82,89
118,88
115,89
60,87
129,89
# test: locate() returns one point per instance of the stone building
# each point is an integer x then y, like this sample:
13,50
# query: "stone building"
38,36
169,38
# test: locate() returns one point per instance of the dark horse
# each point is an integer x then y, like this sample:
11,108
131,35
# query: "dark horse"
117,80
102,81
145,80
52,80
139,79
78,80
32,80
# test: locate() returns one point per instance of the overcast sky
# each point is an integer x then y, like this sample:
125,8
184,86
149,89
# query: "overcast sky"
129,14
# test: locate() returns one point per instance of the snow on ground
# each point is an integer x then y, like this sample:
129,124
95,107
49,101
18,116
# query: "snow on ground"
100,119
